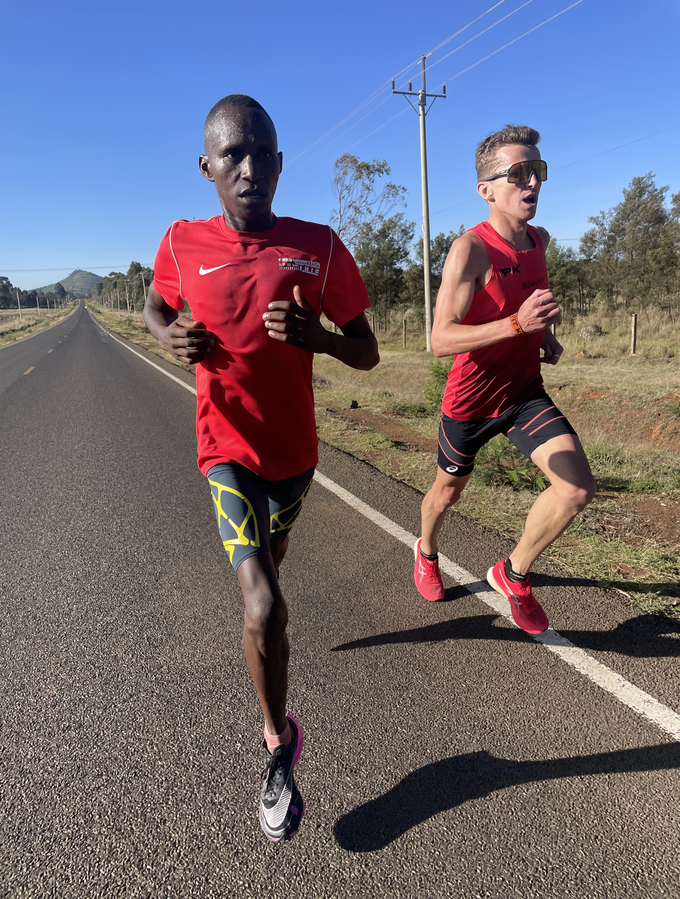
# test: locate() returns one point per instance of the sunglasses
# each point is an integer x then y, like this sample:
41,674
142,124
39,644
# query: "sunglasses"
521,172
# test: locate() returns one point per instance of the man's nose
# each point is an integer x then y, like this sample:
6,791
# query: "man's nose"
533,181
249,169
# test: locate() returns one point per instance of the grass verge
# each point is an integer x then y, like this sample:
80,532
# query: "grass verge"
14,327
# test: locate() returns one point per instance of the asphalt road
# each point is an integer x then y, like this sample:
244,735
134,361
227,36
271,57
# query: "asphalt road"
447,753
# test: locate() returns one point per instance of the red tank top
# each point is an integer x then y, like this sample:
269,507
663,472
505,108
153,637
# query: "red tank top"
485,383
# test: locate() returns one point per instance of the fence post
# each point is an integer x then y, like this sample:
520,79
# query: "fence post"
403,331
633,340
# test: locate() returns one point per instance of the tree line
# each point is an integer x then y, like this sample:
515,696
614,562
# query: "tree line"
124,292
629,259
12,297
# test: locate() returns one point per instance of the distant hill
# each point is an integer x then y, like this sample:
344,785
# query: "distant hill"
78,283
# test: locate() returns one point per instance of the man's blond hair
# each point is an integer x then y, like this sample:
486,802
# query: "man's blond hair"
486,155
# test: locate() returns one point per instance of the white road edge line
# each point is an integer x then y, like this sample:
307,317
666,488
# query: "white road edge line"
148,361
623,690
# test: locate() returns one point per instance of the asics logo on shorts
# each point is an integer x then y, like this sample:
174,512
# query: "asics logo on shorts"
452,469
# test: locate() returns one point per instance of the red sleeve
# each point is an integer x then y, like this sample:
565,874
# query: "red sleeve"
344,293
167,278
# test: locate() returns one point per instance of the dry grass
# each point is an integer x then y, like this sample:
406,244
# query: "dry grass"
14,326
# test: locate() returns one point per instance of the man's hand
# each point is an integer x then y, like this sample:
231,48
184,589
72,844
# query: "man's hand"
187,340
552,348
538,312
295,322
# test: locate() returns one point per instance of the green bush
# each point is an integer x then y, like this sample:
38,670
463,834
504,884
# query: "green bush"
436,384
500,463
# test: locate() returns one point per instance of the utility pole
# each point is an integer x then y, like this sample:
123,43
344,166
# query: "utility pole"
19,305
422,111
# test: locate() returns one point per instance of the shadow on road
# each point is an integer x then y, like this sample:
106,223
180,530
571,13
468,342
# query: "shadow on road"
451,782
475,627
646,636
662,588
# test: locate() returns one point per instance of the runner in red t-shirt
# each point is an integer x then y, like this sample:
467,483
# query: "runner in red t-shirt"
494,311
256,286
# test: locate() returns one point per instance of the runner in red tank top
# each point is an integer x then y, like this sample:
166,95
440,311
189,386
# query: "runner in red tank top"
256,286
494,312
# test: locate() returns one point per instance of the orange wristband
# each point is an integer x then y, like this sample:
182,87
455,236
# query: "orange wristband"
515,324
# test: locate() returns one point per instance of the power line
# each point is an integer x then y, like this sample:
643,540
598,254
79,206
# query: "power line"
384,124
465,27
480,34
322,149
376,92
351,146
620,146
510,43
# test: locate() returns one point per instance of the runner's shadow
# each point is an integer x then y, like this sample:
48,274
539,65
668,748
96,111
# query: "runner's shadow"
475,627
646,636
662,588
451,782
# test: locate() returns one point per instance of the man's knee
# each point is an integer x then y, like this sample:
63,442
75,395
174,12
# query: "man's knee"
266,617
266,614
443,497
578,495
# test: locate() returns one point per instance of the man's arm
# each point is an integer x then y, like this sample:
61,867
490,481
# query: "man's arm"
187,340
464,273
296,323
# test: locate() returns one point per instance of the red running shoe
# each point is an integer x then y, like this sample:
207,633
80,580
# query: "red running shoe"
526,611
427,577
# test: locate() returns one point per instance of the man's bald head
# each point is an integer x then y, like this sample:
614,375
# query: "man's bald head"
231,101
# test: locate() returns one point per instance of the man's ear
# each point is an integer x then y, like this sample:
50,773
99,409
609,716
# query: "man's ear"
204,167
485,190
280,155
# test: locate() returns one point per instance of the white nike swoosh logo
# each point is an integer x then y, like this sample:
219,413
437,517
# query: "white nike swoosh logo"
206,271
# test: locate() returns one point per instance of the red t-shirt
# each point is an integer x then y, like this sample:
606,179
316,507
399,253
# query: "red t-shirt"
485,383
255,401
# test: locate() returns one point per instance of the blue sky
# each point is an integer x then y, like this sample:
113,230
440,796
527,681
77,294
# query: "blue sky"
103,107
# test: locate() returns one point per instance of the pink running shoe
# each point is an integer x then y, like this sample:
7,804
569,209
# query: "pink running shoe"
525,609
427,577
